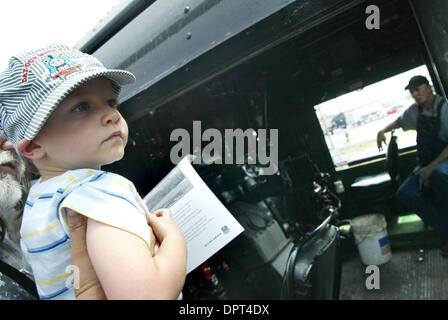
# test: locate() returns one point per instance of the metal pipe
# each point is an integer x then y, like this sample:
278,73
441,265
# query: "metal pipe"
116,19
433,26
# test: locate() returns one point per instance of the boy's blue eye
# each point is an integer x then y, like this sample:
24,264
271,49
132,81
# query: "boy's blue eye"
113,103
84,106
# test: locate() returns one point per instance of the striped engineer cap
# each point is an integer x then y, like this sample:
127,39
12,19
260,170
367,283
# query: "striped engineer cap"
36,82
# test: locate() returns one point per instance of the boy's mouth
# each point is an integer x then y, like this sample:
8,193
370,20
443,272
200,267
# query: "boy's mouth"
115,135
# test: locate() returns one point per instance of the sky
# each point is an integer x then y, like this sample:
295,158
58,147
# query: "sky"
28,24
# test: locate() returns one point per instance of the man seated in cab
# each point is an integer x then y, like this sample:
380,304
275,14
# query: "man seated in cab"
425,190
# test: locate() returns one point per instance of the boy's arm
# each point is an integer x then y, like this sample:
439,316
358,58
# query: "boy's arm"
126,267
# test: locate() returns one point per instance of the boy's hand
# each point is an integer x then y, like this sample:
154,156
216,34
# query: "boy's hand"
154,244
172,255
162,223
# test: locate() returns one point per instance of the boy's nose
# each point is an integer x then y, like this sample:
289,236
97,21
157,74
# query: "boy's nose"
111,116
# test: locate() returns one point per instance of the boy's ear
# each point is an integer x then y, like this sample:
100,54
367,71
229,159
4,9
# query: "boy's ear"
30,149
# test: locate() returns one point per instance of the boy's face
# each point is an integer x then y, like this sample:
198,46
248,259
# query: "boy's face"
85,130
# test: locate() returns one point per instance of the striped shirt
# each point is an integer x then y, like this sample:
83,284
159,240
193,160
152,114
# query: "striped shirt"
45,238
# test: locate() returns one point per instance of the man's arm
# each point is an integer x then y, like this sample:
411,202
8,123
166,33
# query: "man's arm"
425,172
442,157
126,267
380,138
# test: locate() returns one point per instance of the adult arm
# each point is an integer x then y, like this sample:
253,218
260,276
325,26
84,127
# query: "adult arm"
380,138
425,172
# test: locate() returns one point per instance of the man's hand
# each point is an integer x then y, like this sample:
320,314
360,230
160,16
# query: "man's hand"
380,139
5,144
423,176
89,286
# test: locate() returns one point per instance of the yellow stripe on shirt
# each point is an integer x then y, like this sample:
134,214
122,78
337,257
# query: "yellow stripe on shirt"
121,184
39,232
73,180
62,276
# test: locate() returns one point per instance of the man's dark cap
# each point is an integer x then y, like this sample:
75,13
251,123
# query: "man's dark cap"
417,81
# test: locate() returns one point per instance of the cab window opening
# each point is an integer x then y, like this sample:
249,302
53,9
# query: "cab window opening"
350,122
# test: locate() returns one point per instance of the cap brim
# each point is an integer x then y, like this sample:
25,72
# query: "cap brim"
44,111
418,84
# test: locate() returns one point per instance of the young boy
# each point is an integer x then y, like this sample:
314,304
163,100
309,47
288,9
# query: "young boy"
58,107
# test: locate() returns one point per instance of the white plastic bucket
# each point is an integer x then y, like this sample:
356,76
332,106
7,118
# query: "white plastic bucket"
370,232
